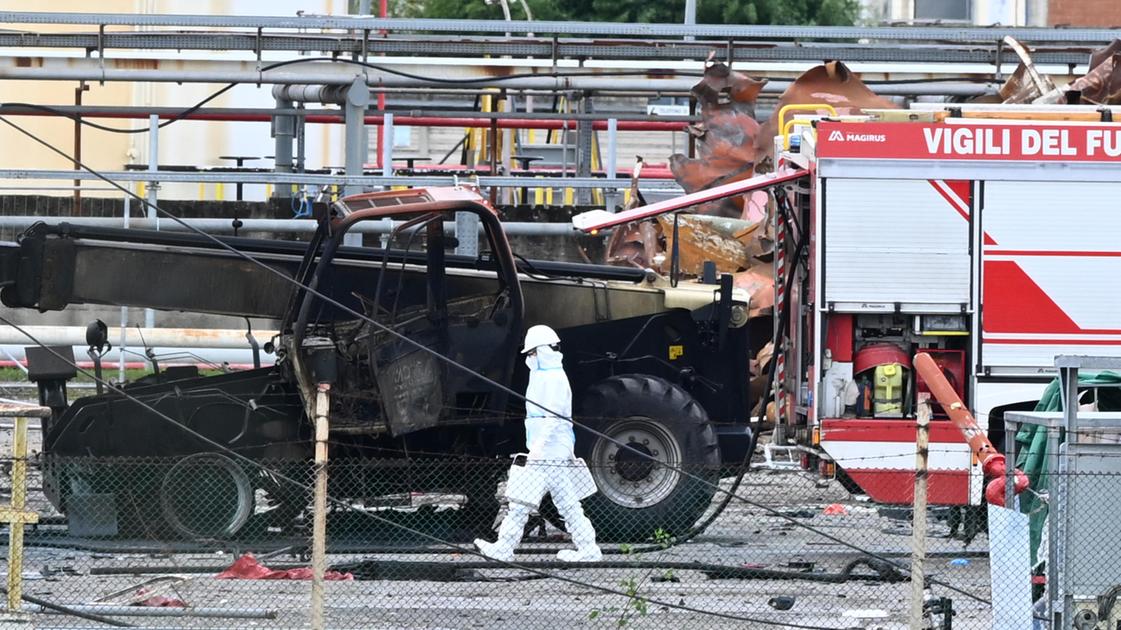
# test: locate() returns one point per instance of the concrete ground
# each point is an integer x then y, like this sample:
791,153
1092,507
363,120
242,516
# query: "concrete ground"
771,534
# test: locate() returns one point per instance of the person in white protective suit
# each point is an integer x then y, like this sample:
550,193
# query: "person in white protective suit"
551,466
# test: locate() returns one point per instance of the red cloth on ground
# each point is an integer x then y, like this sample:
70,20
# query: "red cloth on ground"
247,568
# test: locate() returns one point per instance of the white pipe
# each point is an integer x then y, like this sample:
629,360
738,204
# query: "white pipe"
690,16
153,186
159,337
122,342
228,71
166,355
149,611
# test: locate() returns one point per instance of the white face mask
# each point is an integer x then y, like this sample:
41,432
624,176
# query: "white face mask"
531,361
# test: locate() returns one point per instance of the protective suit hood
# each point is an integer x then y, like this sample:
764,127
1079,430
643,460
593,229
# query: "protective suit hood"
547,359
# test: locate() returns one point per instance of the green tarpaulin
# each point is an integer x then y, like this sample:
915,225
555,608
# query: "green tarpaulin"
1032,456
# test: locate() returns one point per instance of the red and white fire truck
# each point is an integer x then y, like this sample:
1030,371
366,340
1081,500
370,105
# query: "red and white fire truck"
988,237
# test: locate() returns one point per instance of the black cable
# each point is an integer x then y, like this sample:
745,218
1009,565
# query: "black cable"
883,573
79,119
423,348
784,206
59,608
537,274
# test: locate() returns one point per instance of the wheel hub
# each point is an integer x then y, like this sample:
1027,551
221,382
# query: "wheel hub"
630,465
636,475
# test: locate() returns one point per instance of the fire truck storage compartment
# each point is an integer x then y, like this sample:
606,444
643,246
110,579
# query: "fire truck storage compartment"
866,362
895,246
1051,259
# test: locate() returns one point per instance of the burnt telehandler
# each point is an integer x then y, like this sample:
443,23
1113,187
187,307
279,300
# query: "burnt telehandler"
662,369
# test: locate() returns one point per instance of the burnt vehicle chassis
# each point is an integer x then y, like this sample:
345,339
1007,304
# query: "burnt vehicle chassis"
662,369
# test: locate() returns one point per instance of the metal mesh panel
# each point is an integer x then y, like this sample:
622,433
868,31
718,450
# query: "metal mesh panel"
147,541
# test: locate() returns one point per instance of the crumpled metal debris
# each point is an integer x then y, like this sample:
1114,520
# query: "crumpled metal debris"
1026,84
731,145
704,238
1100,86
725,137
759,371
635,244
725,148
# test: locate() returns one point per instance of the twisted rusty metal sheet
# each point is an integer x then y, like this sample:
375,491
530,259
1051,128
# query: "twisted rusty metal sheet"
725,137
1101,85
831,84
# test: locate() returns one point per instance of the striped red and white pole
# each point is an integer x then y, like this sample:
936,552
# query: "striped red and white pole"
780,300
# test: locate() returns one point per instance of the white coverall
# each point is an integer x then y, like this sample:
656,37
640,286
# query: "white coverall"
549,442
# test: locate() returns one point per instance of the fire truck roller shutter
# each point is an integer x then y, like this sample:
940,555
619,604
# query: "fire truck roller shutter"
896,245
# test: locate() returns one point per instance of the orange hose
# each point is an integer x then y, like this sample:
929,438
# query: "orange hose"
993,465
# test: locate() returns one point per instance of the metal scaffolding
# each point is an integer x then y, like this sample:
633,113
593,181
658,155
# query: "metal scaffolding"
503,59
736,31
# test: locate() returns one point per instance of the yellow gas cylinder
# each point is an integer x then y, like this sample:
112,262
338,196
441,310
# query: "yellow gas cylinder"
887,393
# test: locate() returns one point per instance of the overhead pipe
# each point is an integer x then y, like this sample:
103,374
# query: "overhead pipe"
379,119
313,73
993,465
325,178
934,34
325,94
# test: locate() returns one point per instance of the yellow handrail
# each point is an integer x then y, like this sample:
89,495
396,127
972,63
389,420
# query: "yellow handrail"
786,126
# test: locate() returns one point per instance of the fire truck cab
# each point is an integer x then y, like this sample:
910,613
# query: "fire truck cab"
988,237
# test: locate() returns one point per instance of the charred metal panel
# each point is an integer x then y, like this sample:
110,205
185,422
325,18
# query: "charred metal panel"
56,272
165,279
412,387
255,412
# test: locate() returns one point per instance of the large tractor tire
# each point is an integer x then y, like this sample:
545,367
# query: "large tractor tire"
638,497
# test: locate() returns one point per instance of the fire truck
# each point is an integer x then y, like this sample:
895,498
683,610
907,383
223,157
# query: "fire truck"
988,237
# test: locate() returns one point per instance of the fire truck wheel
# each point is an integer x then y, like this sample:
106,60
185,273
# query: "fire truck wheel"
638,496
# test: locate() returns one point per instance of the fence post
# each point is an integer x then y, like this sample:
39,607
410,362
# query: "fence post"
319,522
918,527
15,515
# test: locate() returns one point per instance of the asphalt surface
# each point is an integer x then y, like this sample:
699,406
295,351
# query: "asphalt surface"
771,533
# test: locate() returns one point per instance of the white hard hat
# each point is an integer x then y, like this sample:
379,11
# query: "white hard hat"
539,335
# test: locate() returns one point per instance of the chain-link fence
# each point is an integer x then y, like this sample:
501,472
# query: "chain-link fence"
209,541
